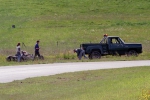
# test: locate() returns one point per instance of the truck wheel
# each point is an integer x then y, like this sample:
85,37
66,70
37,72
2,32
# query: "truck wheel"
132,53
95,55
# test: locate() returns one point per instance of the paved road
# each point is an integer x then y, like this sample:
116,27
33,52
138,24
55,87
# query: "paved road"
11,73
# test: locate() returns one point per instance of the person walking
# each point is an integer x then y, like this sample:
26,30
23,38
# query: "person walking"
80,52
37,53
18,52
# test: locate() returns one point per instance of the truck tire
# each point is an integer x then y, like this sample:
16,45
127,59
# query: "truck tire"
132,53
95,55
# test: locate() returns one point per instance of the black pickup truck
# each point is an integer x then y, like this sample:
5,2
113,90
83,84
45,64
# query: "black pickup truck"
111,45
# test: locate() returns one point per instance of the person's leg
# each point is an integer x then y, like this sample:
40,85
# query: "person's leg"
80,55
84,54
35,55
39,55
18,57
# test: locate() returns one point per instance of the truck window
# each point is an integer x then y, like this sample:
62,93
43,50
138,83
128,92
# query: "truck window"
115,41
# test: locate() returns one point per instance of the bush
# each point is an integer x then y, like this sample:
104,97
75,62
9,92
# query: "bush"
68,56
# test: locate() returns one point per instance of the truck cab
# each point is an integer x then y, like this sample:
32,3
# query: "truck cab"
112,45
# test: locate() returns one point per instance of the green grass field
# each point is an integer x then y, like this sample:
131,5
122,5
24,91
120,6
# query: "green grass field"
109,84
63,25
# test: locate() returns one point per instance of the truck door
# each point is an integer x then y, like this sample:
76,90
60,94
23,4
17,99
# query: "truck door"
104,44
116,46
105,48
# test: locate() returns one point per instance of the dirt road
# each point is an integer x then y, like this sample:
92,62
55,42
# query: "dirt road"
11,73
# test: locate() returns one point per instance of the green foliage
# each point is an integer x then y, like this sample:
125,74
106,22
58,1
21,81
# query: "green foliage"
70,23
68,56
145,94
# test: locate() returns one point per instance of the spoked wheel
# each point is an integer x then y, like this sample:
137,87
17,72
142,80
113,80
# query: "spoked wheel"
8,58
95,55
132,53
23,58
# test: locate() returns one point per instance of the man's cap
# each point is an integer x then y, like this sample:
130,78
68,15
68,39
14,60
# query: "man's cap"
105,34
75,50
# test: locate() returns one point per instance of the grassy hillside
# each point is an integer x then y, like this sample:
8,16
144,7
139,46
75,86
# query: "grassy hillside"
64,24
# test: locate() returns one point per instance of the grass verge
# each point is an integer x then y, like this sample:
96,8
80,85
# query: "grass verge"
109,84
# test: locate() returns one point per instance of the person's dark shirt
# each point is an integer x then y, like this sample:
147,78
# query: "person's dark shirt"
37,47
78,51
